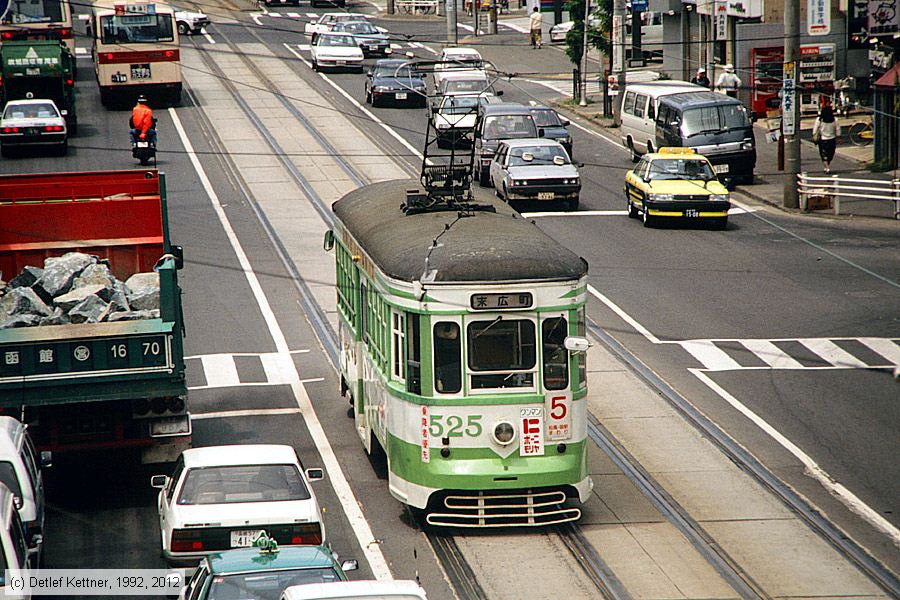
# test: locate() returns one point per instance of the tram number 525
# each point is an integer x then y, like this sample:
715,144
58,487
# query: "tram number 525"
454,426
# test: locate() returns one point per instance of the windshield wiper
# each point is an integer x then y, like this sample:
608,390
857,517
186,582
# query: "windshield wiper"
491,324
702,131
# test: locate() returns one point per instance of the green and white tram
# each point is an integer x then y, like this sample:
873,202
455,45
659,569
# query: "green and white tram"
462,348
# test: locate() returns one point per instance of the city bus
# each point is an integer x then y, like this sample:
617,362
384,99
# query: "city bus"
38,20
135,50
462,350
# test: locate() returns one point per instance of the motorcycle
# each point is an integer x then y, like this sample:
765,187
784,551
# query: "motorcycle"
846,100
145,150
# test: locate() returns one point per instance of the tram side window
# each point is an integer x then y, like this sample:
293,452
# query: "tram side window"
398,331
556,357
581,357
364,310
413,356
447,361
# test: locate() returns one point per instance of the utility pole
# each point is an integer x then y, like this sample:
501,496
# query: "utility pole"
790,107
492,16
452,36
476,8
390,7
619,56
584,53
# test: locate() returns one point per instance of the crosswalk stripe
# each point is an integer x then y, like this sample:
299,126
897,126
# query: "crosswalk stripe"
312,15
279,367
884,347
293,15
81,51
832,353
396,47
220,370
712,357
276,15
771,354
304,47
259,412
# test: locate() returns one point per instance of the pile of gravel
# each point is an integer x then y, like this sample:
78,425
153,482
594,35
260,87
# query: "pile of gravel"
76,288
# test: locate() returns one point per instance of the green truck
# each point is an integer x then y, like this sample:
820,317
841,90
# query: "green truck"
40,69
103,383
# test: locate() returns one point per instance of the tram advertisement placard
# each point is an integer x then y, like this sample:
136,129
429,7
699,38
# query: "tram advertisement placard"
531,420
558,406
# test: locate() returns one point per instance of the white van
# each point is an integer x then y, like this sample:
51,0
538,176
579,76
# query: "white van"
465,61
639,108
13,548
20,471
356,590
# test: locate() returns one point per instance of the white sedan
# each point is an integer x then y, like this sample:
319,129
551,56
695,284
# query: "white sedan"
28,123
328,20
190,22
535,169
222,497
336,50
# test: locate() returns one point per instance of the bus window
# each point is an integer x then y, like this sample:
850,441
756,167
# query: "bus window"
136,28
504,347
556,357
447,362
413,355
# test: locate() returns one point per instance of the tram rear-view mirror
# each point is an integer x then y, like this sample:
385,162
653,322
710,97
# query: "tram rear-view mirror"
328,244
574,343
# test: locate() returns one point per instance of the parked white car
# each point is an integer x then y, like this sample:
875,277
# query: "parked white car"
222,497
32,123
190,22
336,50
328,20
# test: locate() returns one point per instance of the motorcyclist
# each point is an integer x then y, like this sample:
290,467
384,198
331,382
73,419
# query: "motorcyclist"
142,122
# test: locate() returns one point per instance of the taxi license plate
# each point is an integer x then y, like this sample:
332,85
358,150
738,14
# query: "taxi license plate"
243,538
400,95
691,212
720,168
546,195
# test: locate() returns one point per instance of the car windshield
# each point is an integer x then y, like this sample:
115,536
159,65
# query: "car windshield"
546,118
503,127
358,27
466,85
464,62
460,105
680,168
265,585
537,155
30,111
403,71
242,483
713,119
336,40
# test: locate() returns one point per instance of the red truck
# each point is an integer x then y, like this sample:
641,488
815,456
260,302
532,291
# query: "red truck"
108,380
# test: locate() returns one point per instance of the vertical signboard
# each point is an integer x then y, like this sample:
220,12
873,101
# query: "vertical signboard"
618,55
884,17
721,19
818,17
789,101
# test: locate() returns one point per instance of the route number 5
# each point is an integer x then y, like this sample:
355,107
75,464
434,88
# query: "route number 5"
559,407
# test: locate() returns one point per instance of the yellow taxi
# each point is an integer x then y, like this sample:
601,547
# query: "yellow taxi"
677,183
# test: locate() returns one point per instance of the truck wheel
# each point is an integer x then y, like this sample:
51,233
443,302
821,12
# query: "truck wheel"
183,28
648,220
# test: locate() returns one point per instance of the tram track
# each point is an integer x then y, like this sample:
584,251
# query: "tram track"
459,572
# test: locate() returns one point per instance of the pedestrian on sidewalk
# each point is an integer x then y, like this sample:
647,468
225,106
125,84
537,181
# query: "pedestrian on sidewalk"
701,78
825,132
728,83
535,21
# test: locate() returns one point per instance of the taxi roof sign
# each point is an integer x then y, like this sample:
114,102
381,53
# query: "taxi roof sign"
265,544
676,150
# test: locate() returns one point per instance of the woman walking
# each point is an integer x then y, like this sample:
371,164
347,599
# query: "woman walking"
825,133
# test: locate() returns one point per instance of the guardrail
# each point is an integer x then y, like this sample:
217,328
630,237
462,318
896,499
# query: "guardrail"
836,189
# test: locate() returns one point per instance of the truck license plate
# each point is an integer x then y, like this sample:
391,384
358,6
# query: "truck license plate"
32,71
243,538
400,95
720,168
546,195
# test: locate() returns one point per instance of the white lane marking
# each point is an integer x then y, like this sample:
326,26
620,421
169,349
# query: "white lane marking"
208,37
884,347
396,47
577,213
274,15
600,135
200,356
414,45
514,27
771,354
342,488
304,47
220,370
279,367
365,110
469,28
711,356
79,51
832,353
255,17
811,469
430,49
312,15
232,414
623,315
293,15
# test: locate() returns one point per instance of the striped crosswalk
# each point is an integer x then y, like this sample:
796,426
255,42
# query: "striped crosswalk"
795,353
224,370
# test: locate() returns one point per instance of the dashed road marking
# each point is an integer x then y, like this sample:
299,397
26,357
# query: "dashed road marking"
254,412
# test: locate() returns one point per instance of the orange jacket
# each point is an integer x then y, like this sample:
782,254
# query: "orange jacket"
142,118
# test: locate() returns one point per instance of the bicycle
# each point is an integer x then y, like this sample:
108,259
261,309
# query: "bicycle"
862,133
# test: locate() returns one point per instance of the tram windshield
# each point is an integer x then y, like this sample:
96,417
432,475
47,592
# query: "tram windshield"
501,353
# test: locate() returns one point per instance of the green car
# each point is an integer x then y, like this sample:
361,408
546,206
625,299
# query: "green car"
263,573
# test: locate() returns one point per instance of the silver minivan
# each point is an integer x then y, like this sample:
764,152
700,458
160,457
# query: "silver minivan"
20,472
639,109
13,547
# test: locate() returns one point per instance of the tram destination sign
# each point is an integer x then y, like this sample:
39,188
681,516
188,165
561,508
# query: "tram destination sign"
79,358
513,301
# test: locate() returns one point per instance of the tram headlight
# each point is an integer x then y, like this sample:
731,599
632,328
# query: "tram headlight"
503,433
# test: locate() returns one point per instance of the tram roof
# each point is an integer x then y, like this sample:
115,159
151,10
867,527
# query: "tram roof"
495,247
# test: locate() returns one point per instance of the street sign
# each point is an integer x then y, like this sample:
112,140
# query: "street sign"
618,57
789,101
818,17
721,19
639,5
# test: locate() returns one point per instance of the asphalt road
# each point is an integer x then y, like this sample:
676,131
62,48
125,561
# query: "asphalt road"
770,277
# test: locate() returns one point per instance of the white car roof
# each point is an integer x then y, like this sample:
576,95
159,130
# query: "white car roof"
239,454
354,16
461,53
356,590
10,430
468,75
516,143
31,101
